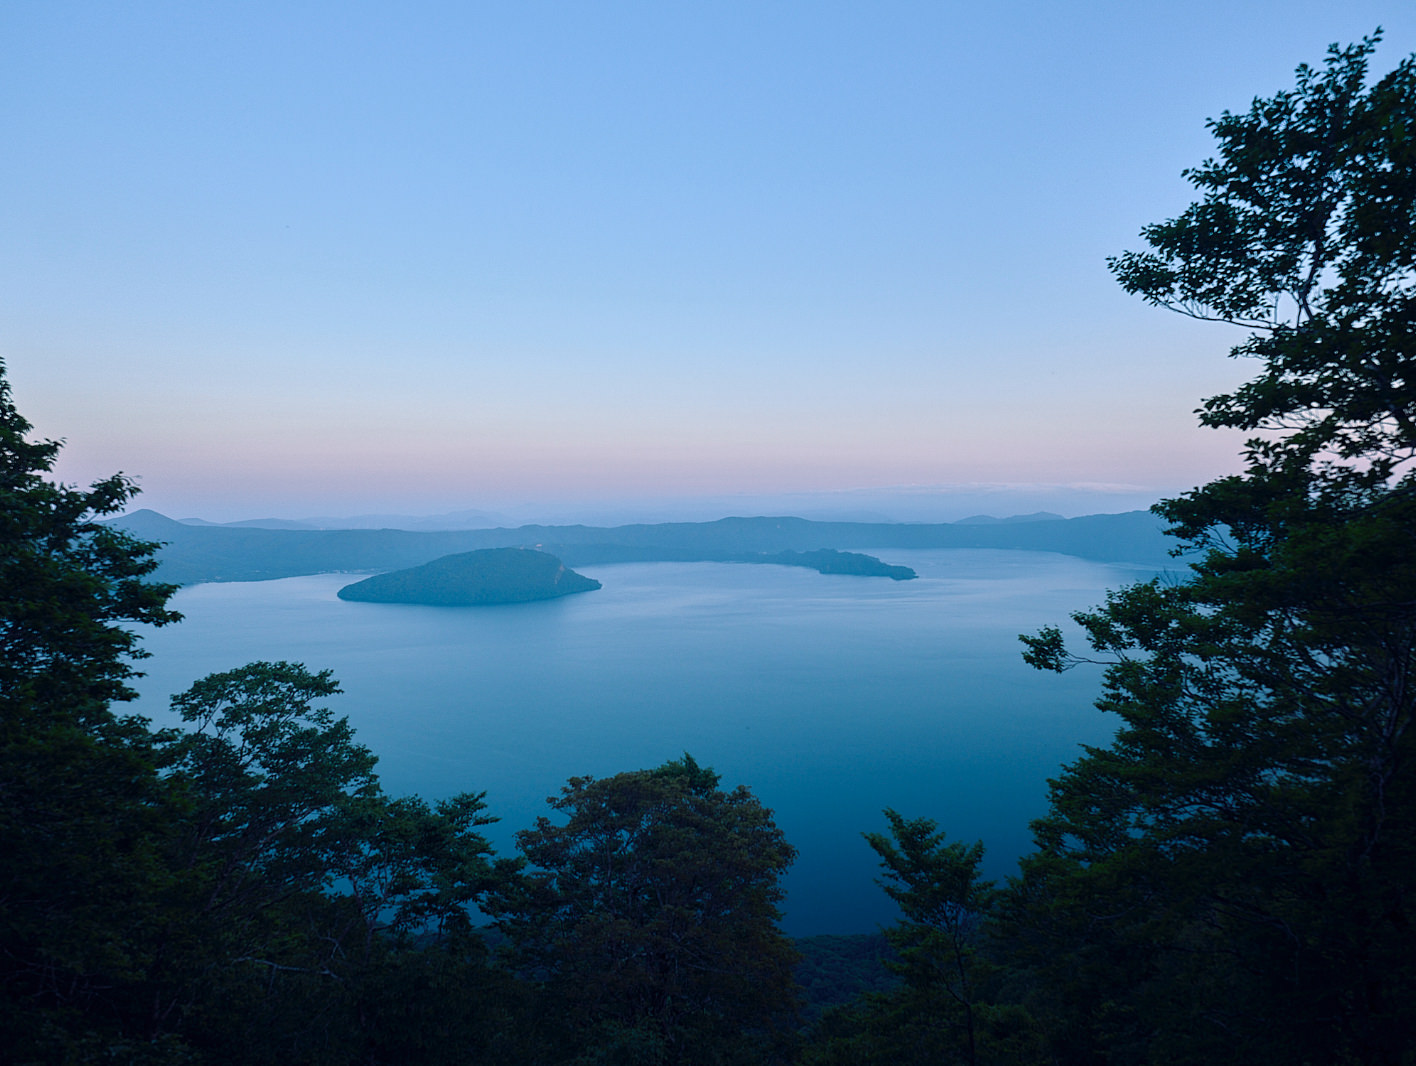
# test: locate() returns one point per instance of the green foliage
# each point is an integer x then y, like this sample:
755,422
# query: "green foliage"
302,887
269,778
943,900
947,1008
1229,880
67,583
835,969
445,1004
1305,235
79,794
651,915
417,868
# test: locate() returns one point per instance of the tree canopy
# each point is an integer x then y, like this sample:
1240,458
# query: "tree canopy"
67,582
1230,878
78,789
1305,236
653,914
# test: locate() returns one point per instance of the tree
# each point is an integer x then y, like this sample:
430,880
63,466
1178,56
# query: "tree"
269,776
1306,236
1229,880
651,914
943,901
945,1009
263,778
67,583
79,794
298,879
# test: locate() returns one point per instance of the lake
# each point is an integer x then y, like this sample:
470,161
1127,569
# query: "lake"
831,697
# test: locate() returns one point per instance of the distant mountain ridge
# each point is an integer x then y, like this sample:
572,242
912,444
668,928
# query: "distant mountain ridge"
464,520
193,554
989,520
422,523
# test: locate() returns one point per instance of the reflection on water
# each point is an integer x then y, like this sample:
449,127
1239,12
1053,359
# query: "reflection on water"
830,696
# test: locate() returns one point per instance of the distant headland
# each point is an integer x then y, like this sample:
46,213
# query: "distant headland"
822,560
474,579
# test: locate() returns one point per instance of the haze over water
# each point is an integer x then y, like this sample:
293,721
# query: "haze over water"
831,697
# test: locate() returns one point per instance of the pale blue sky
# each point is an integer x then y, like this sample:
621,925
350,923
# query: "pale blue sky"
317,258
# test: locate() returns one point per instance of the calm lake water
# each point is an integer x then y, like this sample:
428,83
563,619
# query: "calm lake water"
831,697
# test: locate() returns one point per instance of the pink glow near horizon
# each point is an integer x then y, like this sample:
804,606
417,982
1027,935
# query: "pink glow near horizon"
719,252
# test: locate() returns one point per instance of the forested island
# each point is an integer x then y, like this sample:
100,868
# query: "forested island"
477,578
491,576
830,561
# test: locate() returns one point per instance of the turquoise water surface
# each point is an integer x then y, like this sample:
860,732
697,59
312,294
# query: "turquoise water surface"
831,697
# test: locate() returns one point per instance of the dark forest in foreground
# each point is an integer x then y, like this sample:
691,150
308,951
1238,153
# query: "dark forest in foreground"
1228,881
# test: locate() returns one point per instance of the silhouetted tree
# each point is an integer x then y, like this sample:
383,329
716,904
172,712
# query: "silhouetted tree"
1230,879
79,793
301,890
651,915
947,1007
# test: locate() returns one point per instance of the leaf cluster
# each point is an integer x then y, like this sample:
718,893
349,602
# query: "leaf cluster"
1227,880
1305,235
652,912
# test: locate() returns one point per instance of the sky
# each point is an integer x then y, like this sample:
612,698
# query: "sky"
574,260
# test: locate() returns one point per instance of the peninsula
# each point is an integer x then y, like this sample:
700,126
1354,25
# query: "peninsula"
476,578
822,560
